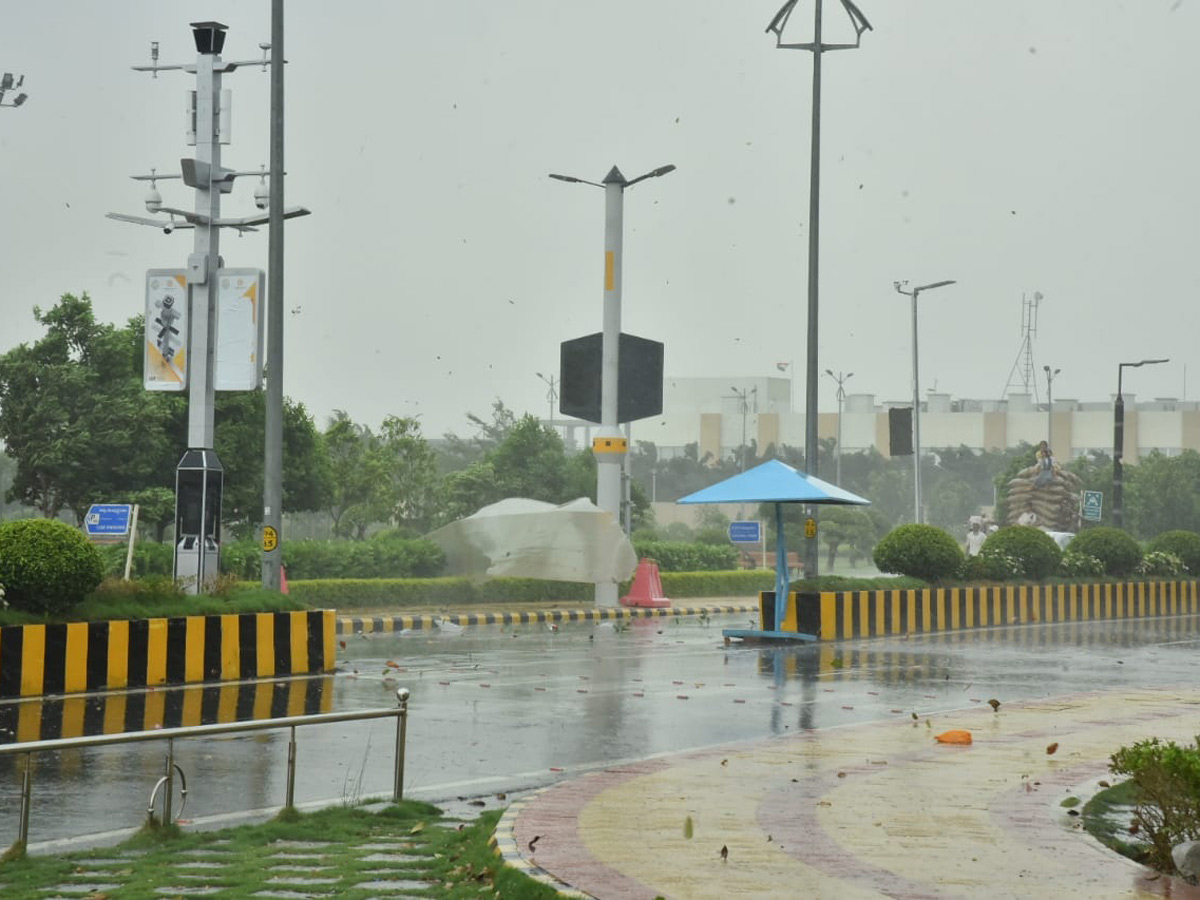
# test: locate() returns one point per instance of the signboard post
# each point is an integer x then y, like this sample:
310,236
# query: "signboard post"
750,532
1091,505
108,520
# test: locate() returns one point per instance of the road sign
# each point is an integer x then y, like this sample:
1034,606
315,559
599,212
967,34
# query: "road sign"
270,538
1092,502
108,519
745,532
810,527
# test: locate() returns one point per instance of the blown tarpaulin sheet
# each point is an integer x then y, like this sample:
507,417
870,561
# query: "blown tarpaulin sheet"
522,538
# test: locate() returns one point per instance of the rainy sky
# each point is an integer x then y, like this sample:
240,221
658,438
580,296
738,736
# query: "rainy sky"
1014,146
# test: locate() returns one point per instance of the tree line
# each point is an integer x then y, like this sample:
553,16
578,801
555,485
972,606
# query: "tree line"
78,428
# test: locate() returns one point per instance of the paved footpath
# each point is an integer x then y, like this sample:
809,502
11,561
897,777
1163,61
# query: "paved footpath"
867,811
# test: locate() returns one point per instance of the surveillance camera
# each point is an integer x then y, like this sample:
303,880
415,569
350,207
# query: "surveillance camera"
153,200
167,229
262,197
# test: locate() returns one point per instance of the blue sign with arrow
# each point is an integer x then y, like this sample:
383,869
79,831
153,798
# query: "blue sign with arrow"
745,532
108,519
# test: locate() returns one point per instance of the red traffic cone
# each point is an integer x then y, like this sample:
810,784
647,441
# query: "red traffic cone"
646,589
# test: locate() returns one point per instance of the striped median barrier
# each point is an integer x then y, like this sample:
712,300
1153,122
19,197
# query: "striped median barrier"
38,660
834,616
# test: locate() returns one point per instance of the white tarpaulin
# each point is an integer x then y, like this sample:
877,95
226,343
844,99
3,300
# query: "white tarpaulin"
523,538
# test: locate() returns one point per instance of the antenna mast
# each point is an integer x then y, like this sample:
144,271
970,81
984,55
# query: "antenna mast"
1023,364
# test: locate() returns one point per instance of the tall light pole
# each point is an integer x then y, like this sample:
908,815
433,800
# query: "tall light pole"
610,446
1119,436
742,397
7,84
1050,404
816,47
916,380
841,380
551,395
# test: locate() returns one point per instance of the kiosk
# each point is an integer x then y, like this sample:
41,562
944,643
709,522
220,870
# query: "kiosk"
198,482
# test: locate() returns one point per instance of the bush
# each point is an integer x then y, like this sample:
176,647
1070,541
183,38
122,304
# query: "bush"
920,551
1035,553
1184,544
1166,777
994,567
46,566
1160,564
679,556
1081,565
1119,552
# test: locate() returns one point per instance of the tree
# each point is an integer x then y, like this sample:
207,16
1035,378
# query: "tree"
74,416
352,475
1163,494
457,453
409,468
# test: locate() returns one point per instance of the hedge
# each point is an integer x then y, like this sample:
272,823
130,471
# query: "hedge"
1184,544
920,551
1118,551
46,566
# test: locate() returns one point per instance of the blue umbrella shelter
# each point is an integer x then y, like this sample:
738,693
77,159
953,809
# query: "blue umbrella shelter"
775,482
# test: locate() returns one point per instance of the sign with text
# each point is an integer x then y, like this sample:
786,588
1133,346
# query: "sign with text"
239,330
1091,506
745,532
108,519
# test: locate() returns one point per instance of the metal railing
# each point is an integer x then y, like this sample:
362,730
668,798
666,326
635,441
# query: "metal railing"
166,783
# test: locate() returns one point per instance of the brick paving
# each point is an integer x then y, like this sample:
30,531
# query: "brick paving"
867,811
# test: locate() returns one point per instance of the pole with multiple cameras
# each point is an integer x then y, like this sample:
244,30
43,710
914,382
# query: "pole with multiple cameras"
220,307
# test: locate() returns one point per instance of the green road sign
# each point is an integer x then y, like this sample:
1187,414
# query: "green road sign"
1092,501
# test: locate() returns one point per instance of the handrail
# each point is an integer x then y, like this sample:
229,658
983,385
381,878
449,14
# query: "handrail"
29,748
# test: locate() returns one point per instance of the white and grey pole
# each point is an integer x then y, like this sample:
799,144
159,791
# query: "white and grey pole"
610,446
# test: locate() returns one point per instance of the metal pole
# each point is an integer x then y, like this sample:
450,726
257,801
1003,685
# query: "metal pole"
26,801
401,742
272,559
837,478
916,413
1118,451
814,220
609,445
168,797
290,800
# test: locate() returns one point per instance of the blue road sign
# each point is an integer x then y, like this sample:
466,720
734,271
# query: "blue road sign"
108,519
745,532
1092,501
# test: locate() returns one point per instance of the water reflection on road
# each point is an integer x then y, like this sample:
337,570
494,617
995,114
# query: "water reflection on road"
496,708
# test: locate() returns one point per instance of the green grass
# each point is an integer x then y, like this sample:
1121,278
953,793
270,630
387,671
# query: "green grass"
455,861
1106,817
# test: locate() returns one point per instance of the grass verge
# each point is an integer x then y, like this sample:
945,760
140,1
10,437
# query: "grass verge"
345,851
1107,817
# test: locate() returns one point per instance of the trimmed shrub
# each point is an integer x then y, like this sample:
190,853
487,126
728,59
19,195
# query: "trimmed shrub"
994,567
1081,565
1166,778
1184,544
1036,554
1119,552
1160,564
682,556
921,551
46,566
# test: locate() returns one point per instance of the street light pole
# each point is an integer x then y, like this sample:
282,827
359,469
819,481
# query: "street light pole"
916,378
742,396
1050,404
610,446
841,379
551,395
816,47
1119,438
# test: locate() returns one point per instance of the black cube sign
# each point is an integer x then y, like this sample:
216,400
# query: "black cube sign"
639,378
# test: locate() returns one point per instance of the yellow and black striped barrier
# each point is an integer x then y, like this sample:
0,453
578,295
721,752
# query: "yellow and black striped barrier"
115,713
834,616
391,624
38,660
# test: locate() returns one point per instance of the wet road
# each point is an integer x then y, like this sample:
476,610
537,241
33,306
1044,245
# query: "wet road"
498,709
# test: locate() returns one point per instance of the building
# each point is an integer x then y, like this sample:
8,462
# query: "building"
715,413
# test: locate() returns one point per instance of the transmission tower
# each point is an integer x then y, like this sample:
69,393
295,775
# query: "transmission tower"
1021,372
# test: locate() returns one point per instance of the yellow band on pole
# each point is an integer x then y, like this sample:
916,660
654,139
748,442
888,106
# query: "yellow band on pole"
609,445
610,258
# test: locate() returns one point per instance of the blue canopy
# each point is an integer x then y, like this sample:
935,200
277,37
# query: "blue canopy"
776,482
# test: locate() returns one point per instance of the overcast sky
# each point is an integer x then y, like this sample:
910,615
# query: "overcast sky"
1014,146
